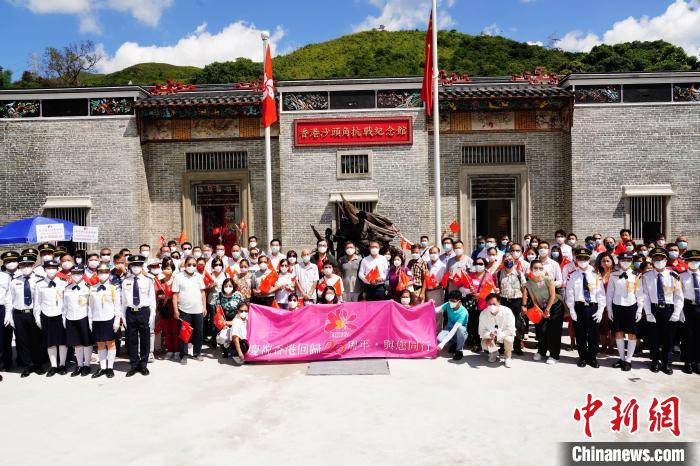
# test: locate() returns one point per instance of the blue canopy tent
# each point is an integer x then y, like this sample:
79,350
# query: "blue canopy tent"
24,231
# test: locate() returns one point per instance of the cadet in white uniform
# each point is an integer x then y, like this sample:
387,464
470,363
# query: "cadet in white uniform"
27,333
105,312
48,313
625,302
690,279
9,266
77,321
138,302
663,305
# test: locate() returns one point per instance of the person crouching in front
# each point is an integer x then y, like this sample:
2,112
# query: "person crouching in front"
239,333
456,330
497,326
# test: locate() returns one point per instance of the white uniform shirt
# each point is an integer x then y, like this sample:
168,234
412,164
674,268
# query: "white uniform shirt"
369,262
104,304
688,285
574,289
17,292
673,292
624,291
5,280
147,293
75,301
189,289
48,300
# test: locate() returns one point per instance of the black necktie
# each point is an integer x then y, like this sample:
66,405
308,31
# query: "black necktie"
75,287
586,291
27,292
137,298
101,288
52,283
696,285
660,297
623,275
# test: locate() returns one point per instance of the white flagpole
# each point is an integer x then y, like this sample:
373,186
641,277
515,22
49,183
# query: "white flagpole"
436,130
268,159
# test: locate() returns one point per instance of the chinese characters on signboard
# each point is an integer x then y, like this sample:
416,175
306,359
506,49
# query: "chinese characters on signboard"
353,131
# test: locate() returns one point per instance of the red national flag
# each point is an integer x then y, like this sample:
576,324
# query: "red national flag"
268,282
372,275
185,331
403,281
445,279
219,318
460,279
269,108
426,94
243,225
208,279
161,241
182,238
486,290
454,226
430,281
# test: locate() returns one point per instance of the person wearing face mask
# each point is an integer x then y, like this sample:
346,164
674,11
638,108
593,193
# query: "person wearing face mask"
80,257
434,291
585,298
397,270
492,261
104,310
417,272
490,243
448,250
190,305
48,313
475,285
321,255
609,244
77,320
497,327
106,257
377,267
349,265
405,299
534,244
531,256
90,277
551,267
263,283
197,253
539,290
66,262
179,263
663,305
675,261
558,256
424,247
275,255
329,296
510,282
254,255
682,243
292,259
285,285
243,279
458,266
118,272
239,334
504,244
138,300
621,246
186,249
230,265
229,300
564,247
521,263
455,332
480,244
605,265
167,324
27,332
330,279
206,251
7,274
252,244
625,303
690,335
163,252
145,250
46,253
293,303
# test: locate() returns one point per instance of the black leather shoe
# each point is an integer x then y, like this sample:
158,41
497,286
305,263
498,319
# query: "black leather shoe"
62,370
619,364
458,356
145,371
581,363
696,368
109,373
76,371
85,371
594,363
99,373
687,368
666,369
38,370
26,373
0,378
131,372
655,366
627,367
52,371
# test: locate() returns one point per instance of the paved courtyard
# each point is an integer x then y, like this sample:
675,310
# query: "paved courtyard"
426,412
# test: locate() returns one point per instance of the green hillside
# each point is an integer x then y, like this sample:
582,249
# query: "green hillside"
401,53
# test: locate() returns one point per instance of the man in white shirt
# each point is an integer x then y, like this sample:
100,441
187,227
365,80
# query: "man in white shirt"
377,267
190,305
551,267
497,326
275,255
459,263
434,290
447,248
138,301
585,297
690,279
307,277
560,239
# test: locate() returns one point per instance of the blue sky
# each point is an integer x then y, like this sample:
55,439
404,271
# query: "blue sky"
197,32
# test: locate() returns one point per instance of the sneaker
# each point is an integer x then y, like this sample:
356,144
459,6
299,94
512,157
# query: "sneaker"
151,358
175,357
458,356
508,362
493,357
551,361
199,357
537,357
237,360
168,355
183,361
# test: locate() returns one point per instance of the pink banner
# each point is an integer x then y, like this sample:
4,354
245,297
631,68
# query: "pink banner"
379,329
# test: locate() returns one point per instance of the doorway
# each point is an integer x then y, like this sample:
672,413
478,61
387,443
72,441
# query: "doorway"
493,205
217,213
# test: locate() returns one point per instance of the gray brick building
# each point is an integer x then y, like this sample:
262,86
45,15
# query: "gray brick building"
518,155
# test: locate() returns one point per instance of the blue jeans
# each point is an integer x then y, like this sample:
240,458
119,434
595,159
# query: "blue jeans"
459,337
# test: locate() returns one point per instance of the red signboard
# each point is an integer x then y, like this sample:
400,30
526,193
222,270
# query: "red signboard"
353,131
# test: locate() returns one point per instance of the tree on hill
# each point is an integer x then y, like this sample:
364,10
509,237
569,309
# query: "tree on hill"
66,65
240,70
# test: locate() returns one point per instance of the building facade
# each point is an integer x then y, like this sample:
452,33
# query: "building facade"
523,154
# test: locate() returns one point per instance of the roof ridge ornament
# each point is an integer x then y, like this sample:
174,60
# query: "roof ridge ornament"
170,88
454,78
539,77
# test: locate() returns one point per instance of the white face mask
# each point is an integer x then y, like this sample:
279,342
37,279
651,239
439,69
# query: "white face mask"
388,258
415,256
582,264
292,260
661,243
424,244
197,254
625,264
538,273
218,268
51,273
11,266
244,271
252,244
191,269
434,257
405,301
103,277
26,271
146,254
77,278
516,254
105,259
78,260
374,251
275,249
459,251
306,259
531,257
694,265
186,251
571,242
292,304
322,249
136,269
67,265
454,305
327,272
397,263
244,315
493,309
447,247
235,254
221,252
228,289
330,297
350,251
660,264
479,268
93,264
46,258
206,254
544,252
284,269
263,266
156,270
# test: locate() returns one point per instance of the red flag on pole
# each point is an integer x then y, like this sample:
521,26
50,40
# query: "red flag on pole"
454,226
269,109
426,94
182,238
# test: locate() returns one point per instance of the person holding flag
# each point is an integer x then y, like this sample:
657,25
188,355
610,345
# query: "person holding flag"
190,305
373,272
263,283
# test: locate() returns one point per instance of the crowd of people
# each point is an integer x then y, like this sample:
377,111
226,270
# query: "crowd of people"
614,295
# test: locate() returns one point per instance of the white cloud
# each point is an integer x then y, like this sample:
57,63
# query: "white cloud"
535,42
679,25
406,14
239,39
147,12
492,30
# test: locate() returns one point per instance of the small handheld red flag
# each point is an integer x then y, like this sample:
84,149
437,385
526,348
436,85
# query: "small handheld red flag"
403,281
161,240
182,238
486,290
219,318
430,281
372,275
185,331
454,226
208,279
445,279
244,225
268,282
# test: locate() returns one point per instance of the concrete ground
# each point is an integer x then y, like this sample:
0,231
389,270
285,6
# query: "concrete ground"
427,412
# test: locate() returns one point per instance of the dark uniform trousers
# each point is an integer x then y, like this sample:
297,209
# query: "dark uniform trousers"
28,338
549,331
138,336
5,342
661,333
690,343
586,328
197,322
